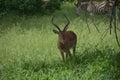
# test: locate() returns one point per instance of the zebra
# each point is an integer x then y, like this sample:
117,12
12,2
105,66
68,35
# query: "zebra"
95,7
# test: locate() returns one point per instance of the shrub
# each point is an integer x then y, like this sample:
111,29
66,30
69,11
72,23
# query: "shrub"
30,6
68,0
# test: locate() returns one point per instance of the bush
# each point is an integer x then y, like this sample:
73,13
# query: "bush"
30,6
1,5
68,0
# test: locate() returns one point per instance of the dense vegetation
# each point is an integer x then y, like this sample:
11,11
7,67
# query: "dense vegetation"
28,48
30,6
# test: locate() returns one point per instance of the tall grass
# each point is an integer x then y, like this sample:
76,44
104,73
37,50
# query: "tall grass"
28,48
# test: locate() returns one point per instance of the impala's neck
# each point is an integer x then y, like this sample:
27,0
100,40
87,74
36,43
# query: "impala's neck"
61,37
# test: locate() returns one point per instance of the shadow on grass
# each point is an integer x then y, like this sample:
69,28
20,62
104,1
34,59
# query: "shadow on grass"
115,66
108,56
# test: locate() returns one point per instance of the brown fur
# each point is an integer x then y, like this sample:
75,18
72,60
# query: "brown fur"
66,40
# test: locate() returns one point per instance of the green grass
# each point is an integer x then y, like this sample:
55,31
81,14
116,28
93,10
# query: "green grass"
28,49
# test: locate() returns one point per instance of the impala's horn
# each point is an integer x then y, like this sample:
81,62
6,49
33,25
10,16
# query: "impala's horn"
55,24
68,22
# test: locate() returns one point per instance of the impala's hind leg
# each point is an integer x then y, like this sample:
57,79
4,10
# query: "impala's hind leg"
62,54
67,56
74,49
68,53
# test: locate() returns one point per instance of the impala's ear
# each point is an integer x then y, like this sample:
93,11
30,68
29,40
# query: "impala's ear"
55,31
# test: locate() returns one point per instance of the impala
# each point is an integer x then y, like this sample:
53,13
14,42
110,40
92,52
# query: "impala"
66,40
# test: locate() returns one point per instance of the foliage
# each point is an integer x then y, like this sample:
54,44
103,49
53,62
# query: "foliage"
68,0
30,6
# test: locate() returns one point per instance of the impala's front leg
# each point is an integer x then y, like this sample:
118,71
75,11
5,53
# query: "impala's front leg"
62,54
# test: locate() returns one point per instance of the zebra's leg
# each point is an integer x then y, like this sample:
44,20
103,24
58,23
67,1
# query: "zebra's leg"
111,20
94,23
86,21
104,34
118,29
